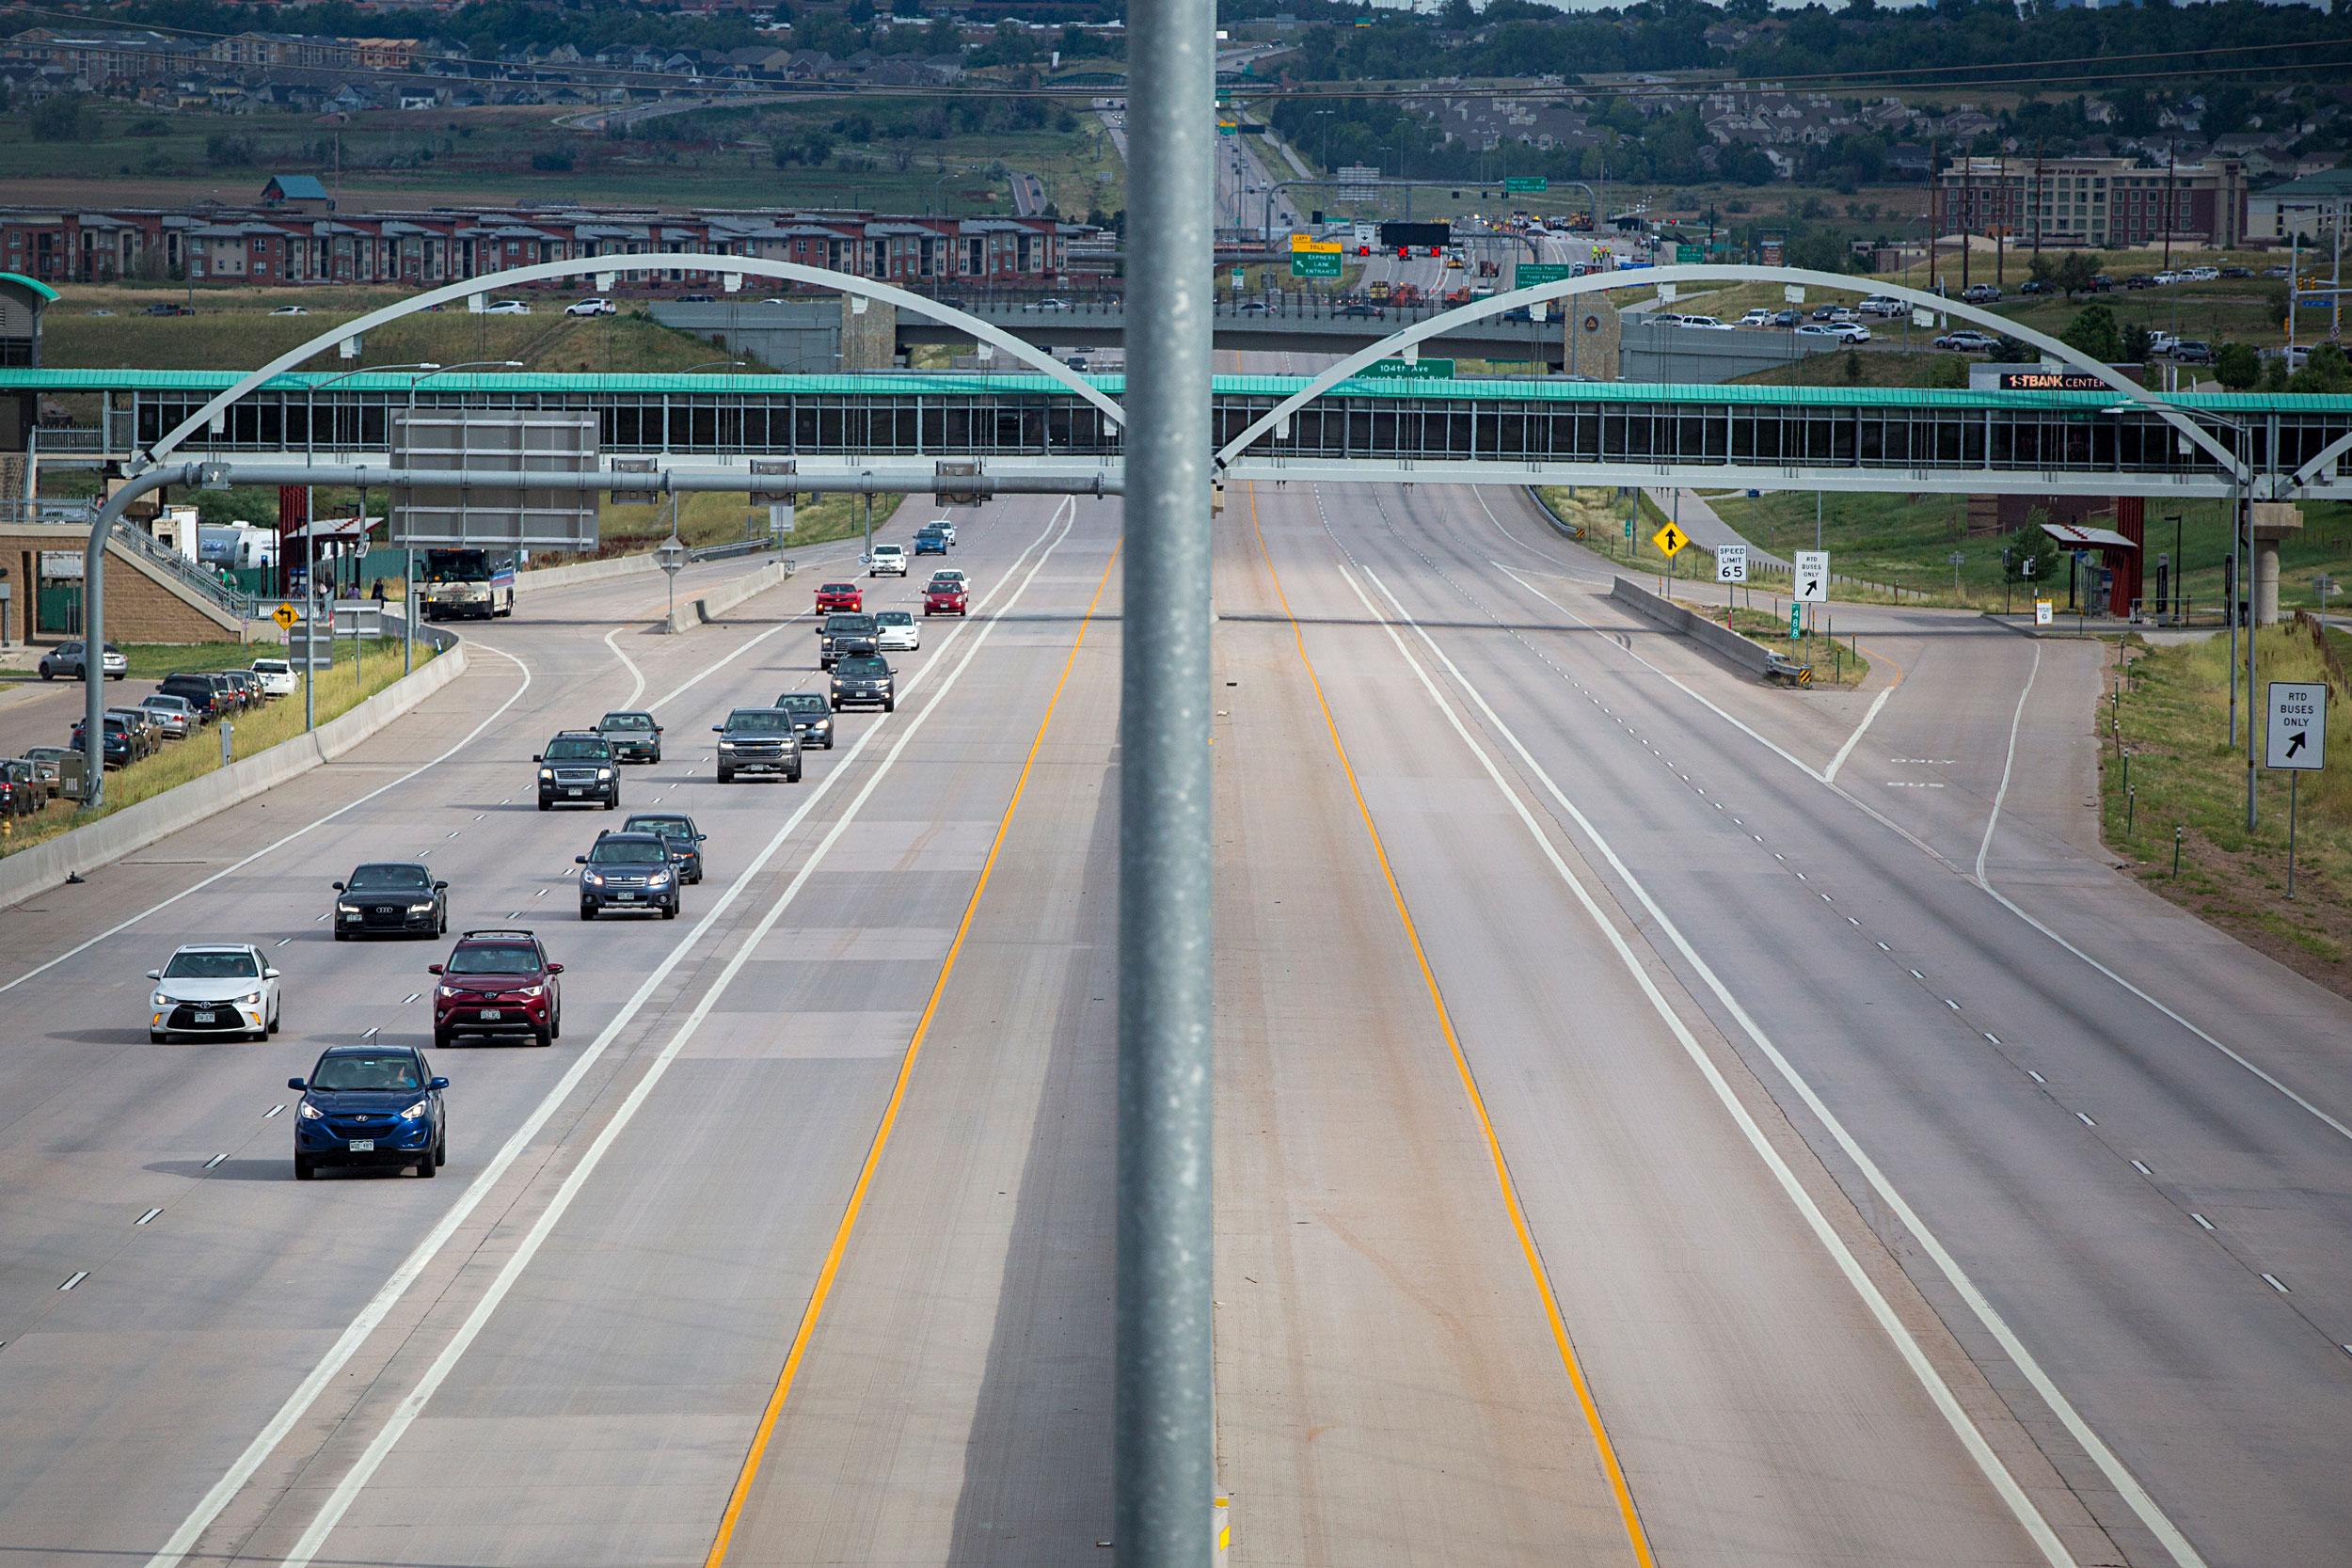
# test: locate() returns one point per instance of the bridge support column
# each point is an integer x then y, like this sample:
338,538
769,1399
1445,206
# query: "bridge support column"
1590,327
2131,521
2273,522
869,333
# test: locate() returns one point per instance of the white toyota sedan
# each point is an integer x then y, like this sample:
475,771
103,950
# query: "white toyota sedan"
213,989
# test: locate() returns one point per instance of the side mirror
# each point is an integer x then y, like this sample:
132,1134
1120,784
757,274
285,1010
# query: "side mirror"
700,837
657,729
269,975
555,969
717,729
537,757
438,1084
580,860
338,887
435,969
440,887
298,1084
155,973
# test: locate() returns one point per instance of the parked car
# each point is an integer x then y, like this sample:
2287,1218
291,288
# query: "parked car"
1981,293
52,763
1968,340
172,714
114,740
276,676
1758,317
2141,280
66,659
290,310
147,732
1884,306
205,696
506,308
592,307
22,793
36,778
696,299
2192,351
375,1105
2032,286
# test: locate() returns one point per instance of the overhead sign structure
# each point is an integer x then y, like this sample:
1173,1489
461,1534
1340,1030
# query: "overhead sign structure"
1812,581
1731,563
2298,737
1670,540
1307,242
1315,263
505,442
1529,273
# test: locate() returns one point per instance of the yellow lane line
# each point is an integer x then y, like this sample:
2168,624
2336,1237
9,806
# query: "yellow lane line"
1626,1512
834,1253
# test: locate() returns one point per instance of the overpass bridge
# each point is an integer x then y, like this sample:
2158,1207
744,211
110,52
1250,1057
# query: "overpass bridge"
1433,429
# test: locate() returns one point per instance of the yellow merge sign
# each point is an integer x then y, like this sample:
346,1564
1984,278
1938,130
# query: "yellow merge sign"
1668,540
285,617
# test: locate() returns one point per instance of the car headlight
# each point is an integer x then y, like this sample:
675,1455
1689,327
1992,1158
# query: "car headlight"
349,912
727,745
413,1112
594,879
657,879
604,773
444,993
160,1000
425,908
251,998
545,774
309,1112
530,992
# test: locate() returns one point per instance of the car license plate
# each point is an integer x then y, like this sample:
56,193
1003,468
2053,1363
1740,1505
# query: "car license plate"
571,792
491,1015
363,1145
626,896
203,1018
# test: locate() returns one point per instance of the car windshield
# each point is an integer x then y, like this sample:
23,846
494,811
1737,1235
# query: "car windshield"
851,625
945,585
165,704
375,1070
626,721
272,667
493,957
865,669
389,877
575,751
671,827
759,721
889,549
198,964
804,702
839,588
895,618
628,851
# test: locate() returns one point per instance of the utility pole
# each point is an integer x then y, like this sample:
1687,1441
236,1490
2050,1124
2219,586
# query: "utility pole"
2171,159
1936,207
2037,201
1967,220
2000,229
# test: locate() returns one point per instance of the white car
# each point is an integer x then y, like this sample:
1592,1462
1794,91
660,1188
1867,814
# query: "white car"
1704,323
506,308
585,308
947,528
1884,305
276,676
290,310
887,557
897,631
1757,318
213,989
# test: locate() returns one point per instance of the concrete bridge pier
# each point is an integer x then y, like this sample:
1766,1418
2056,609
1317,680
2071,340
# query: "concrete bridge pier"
2273,522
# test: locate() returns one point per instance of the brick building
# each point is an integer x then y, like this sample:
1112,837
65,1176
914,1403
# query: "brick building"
2098,204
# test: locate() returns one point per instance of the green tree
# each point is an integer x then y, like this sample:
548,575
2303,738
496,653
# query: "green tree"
2077,273
2030,545
2094,331
2326,370
2135,345
2239,366
1948,371
61,117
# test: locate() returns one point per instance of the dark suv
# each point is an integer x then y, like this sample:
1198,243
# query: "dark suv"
812,717
839,632
864,678
627,871
578,767
206,694
758,741
498,983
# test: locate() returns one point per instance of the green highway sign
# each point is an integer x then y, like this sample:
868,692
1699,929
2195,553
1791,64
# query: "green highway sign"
1526,183
1532,273
1796,620
1397,369
1687,254
1315,263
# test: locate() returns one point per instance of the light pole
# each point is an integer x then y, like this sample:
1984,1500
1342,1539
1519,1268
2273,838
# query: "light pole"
310,529
670,555
408,554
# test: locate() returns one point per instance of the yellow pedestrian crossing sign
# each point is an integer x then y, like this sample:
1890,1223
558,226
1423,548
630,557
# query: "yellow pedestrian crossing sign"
285,617
1669,539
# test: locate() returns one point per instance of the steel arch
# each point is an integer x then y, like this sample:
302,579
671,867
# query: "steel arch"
1646,277
539,272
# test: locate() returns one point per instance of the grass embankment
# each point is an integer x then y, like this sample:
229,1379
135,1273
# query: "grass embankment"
716,519
1834,662
182,761
2174,718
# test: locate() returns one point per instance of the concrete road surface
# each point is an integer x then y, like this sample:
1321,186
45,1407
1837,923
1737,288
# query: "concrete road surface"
1658,1119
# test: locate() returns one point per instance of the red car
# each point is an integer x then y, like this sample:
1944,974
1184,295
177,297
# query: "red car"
839,595
497,983
943,597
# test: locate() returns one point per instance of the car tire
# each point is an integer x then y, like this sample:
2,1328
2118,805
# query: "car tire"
341,935
726,775
443,929
587,911
444,1040
304,1169
158,1037
890,704
793,777
555,1025
440,1151
543,804
47,673
669,911
428,1167
276,1019
543,1038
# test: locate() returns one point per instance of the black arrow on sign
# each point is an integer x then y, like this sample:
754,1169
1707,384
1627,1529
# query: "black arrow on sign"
1812,586
2295,744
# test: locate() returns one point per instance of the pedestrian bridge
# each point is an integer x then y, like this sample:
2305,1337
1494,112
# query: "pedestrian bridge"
1428,430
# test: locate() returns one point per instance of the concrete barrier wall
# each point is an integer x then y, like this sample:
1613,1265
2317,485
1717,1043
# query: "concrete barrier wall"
730,594
587,571
1720,641
135,826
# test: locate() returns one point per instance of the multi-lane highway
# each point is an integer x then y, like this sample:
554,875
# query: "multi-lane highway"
1660,1119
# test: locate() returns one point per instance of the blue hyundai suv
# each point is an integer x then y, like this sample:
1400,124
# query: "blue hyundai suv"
369,1105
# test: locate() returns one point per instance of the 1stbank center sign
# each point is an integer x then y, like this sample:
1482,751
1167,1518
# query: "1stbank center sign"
443,516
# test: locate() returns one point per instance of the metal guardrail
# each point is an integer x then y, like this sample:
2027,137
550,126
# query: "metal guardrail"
728,551
188,573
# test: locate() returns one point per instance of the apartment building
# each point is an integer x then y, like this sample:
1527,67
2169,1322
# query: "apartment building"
2101,204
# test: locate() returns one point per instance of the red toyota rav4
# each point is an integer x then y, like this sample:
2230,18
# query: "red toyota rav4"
839,595
498,983
943,597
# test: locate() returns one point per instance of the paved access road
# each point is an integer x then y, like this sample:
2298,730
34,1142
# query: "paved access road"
1592,1186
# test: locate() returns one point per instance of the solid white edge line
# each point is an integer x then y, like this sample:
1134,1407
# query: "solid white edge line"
636,676
276,845
1829,775
2008,764
412,1405
388,1296
2125,1485
1906,1345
